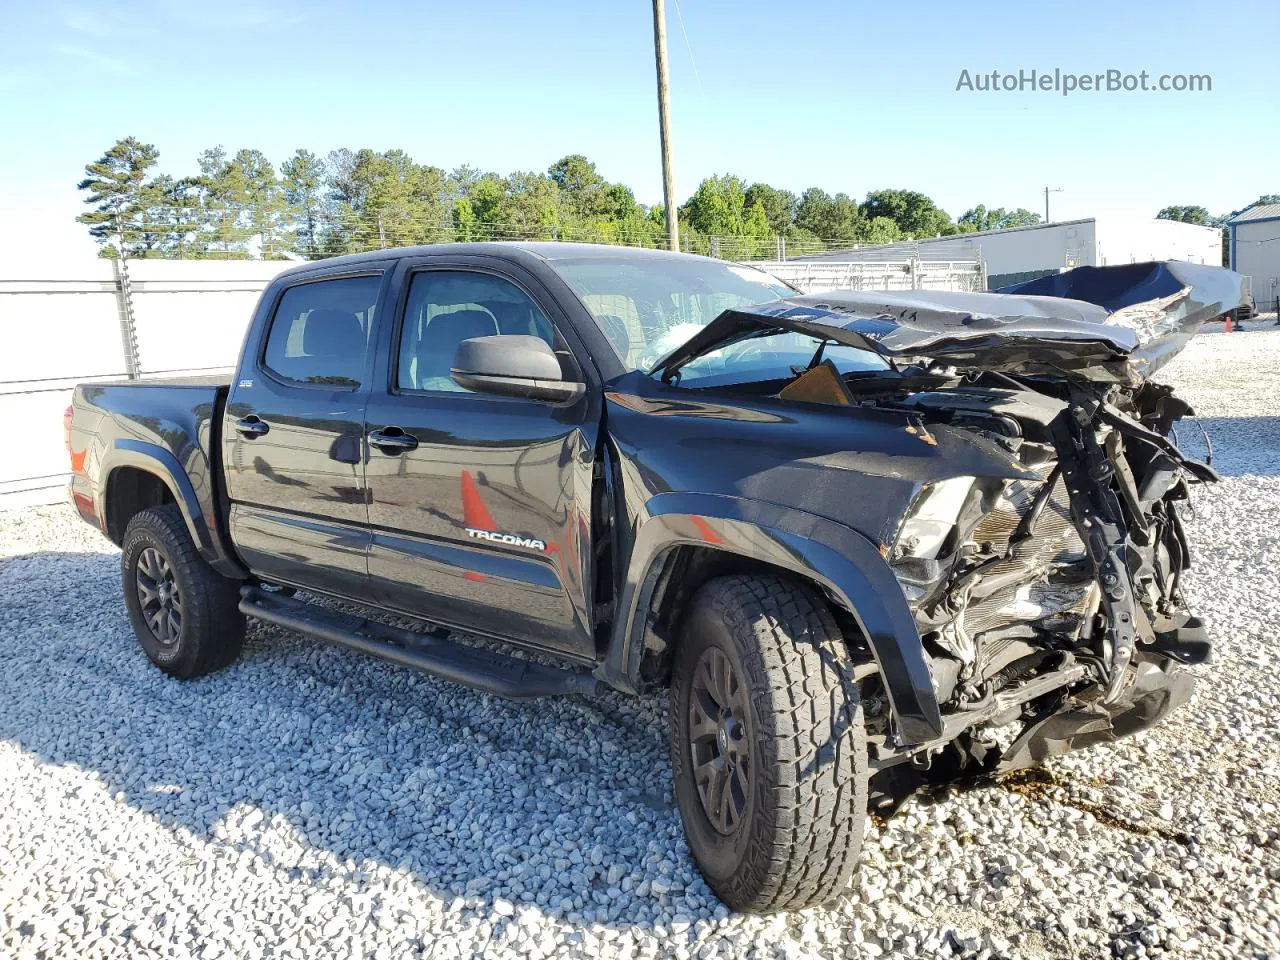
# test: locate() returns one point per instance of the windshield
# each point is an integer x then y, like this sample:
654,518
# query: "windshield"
648,306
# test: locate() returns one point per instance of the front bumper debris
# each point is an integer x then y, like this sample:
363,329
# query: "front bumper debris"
1053,724
1155,690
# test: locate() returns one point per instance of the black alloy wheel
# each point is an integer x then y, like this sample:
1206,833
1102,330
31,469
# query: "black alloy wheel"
184,613
159,598
719,734
768,746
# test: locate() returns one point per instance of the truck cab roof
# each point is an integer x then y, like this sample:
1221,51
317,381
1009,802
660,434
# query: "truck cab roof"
544,250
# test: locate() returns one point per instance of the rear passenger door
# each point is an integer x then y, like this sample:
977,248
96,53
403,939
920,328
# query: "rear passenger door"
293,444
448,468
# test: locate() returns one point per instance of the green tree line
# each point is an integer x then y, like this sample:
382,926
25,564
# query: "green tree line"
241,204
1202,217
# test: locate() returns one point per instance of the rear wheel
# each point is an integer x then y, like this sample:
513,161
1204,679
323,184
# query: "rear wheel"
767,744
184,613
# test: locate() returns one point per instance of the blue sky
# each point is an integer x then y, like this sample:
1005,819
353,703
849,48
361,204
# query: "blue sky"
847,96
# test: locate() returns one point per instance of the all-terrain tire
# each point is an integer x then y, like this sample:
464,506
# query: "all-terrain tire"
208,632
798,839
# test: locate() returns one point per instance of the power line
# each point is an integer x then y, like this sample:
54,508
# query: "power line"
144,374
688,46
338,232
531,232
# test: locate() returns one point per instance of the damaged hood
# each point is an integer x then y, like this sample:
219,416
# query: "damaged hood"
1112,324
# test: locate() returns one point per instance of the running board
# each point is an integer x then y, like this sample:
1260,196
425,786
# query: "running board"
494,673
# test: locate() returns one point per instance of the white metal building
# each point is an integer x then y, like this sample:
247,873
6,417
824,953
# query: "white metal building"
1254,243
1024,253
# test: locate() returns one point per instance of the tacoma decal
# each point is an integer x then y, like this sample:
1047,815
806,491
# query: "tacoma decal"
510,538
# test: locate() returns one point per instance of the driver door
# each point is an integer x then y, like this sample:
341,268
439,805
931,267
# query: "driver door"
479,505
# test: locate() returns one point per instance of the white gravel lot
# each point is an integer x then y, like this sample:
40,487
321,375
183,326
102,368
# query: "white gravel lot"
308,802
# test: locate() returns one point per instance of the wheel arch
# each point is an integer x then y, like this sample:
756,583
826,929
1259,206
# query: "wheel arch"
137,475
683,540
130,489
680,572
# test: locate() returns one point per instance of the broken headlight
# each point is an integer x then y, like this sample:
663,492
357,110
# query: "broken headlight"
924,534
932,518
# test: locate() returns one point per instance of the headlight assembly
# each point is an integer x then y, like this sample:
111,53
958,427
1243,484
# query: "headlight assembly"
932,518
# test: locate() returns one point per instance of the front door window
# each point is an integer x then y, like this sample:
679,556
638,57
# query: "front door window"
446,307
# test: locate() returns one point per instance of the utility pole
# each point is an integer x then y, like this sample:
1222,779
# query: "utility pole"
1047,191
664,122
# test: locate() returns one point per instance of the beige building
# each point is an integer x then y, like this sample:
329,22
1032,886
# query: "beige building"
1254,239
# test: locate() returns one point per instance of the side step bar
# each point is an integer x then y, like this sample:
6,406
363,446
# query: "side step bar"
494,673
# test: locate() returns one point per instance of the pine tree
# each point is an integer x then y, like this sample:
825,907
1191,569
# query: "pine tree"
220,233
118,191
262,202
303,178
174,211
242,202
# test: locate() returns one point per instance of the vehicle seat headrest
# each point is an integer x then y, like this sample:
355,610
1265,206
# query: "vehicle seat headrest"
441,338
333,334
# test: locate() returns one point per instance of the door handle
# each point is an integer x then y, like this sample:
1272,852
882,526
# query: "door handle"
251,427
392,440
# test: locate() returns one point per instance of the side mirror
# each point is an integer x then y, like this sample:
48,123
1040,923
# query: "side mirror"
512,365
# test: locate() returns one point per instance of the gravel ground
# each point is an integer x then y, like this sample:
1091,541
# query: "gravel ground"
310,802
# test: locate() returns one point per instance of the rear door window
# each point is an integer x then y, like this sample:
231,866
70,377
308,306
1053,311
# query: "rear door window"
320,333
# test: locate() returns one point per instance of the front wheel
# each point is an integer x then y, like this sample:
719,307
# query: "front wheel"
767,744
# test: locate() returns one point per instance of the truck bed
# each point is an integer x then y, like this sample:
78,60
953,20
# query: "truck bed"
121,430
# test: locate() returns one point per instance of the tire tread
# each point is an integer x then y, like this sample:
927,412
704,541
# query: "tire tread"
213,626
797,660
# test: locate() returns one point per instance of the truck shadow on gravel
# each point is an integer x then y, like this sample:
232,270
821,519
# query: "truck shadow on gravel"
1242,446
323,763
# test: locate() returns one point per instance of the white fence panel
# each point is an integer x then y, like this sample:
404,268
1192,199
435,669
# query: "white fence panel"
61,326
192,314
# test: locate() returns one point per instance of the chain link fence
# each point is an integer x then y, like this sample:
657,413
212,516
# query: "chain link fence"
820,276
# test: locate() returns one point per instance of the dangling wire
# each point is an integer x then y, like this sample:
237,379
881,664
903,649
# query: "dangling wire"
1208,442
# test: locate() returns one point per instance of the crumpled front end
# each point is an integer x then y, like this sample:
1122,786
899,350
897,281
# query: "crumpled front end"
1155,687
1053,601
1115,324
1043,569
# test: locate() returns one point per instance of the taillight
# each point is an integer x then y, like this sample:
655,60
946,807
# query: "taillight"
66,426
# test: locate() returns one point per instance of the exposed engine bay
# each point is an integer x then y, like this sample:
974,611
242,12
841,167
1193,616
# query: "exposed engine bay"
1084,557
1047,594
1072,571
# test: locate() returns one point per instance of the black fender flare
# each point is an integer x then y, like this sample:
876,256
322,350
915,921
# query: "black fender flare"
847,565
200,516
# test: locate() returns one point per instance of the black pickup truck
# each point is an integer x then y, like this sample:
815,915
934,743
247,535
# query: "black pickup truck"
867,540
